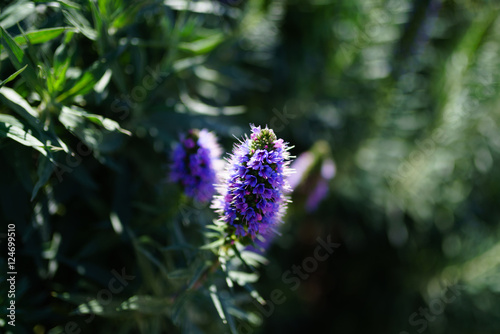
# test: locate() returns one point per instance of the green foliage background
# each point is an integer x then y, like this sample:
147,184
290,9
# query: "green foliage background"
402,94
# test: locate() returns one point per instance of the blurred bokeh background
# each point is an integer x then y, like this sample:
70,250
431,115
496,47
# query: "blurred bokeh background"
393,111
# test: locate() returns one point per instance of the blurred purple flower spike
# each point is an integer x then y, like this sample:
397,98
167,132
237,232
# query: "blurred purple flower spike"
196,163
314,169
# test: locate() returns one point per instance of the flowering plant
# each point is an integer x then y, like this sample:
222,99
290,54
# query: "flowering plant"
196,163
252,199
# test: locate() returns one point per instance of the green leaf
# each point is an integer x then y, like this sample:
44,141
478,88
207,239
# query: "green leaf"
251,317
127,16
86,82
98,20
98,140
14,50
242,277
44,171
80,22
253,258
15,102
62,62
219,229
187,63
82,86
221,308
147,304
254,293
19,59
18,104
238,254
77,126
106,123
216,300
103,82
116,223
200,7
229,317
200,107
215,244
12,76
103,308
43,35
178,307
15,13
197,274
183,273
70,4
202,46
40,36
12,128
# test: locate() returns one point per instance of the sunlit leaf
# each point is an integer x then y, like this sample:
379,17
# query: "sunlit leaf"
80,22
214,244
19,105
12,128
202,46
147,304
40,36
19,59
106,123
12,76
16,12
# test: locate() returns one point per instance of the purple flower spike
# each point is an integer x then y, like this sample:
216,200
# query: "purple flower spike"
196,164
253,197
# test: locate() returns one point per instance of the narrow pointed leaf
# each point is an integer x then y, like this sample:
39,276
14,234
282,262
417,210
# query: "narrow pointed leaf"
40,36
15,13
12,76
14,129
19,59
80,22
44,171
